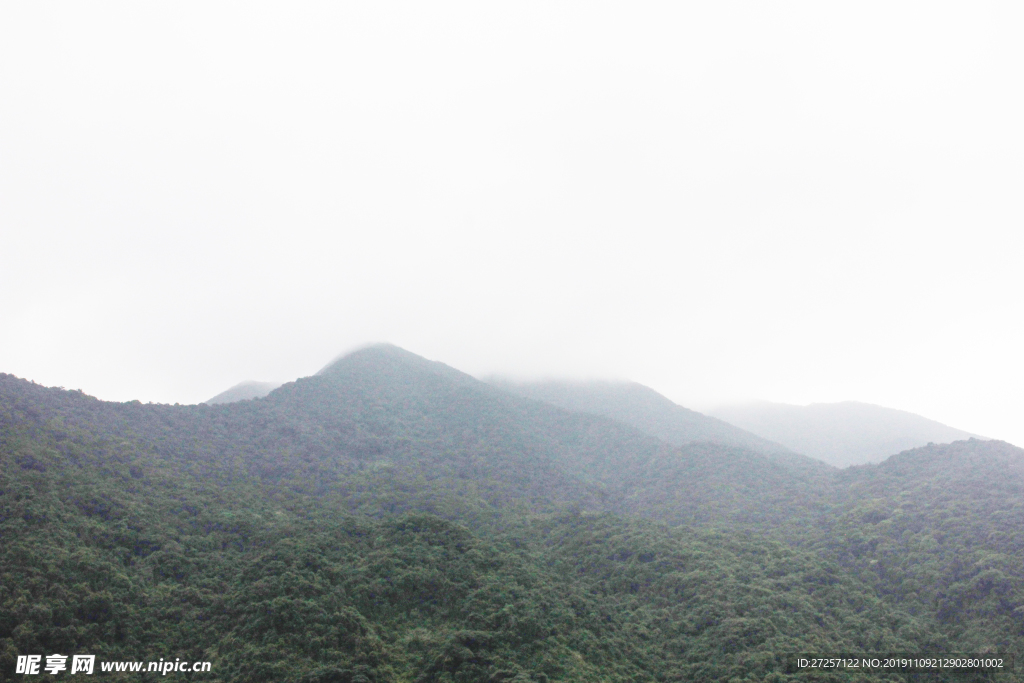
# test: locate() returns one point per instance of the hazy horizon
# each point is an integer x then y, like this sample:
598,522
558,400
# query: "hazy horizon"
796,202
249,388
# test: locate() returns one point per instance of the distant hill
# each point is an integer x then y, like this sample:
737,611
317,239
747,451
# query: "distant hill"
841,434
642,408
244,391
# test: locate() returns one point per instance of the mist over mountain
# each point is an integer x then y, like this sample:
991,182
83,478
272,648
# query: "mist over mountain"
244,391
394,519
841,434
641,407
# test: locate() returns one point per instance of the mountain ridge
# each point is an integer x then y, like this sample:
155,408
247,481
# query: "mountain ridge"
841,434
243,391
641,407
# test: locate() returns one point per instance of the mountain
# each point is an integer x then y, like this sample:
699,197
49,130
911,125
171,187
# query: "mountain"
244,391
424,419
841,434
383,431
641,408
393,519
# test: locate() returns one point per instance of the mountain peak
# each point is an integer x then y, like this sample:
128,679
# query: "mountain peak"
386,359
372,353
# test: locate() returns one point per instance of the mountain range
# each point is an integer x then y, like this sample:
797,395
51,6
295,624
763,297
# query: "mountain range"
393,519
841,434
641,407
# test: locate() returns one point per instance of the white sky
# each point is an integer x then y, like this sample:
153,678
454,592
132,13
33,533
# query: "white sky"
798,202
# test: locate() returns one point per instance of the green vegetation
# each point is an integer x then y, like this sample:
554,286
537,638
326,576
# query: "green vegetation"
641,407
391,519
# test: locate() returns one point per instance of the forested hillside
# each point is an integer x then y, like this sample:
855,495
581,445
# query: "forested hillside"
642,408
940,530
393,519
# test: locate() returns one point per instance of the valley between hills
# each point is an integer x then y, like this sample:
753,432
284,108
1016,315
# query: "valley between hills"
392,519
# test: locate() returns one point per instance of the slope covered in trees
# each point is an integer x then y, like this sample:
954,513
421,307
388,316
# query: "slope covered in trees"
392,519
640,407
383,430
940,530
111,551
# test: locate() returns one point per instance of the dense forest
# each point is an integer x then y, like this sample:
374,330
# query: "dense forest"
391,519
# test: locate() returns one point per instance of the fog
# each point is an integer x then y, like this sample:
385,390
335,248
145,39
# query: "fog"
796,202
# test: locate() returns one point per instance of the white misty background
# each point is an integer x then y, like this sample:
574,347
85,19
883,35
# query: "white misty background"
786,201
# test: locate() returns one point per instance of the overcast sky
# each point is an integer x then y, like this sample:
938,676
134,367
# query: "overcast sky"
792,201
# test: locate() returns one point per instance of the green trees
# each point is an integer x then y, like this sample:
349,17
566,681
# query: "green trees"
397,522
